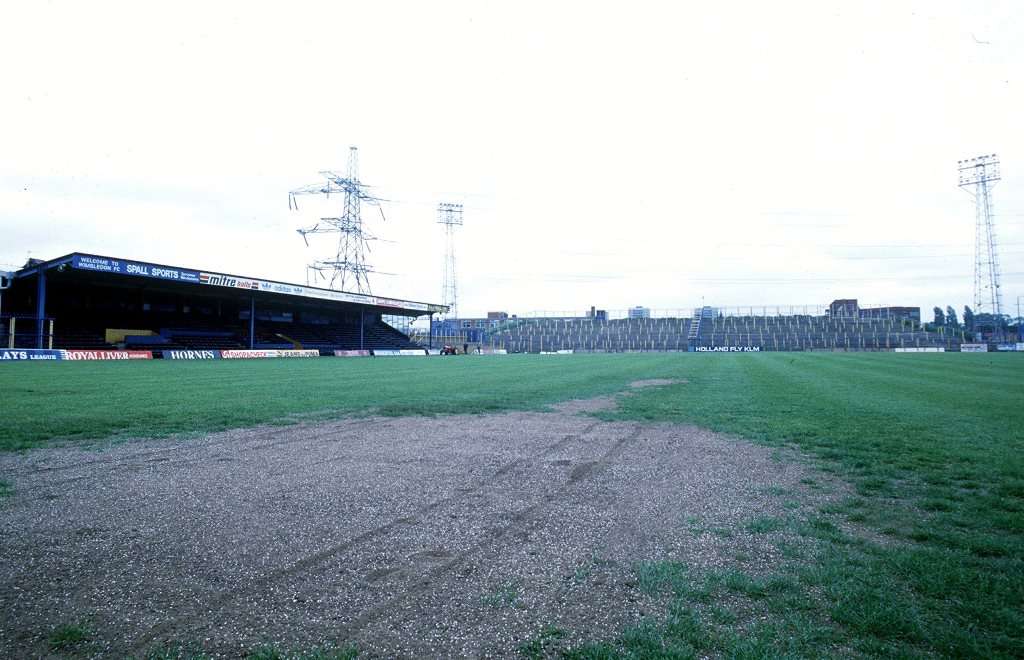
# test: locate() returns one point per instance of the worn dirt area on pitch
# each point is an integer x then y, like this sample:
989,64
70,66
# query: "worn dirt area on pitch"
461,535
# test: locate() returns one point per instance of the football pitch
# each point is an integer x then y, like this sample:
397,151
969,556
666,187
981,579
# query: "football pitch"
753,505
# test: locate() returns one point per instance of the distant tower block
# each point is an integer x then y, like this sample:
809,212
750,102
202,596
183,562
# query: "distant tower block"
978,177
348,269
449,215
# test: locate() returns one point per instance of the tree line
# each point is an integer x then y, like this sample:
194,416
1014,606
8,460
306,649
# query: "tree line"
975,326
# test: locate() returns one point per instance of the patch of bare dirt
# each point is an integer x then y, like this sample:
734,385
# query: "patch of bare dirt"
654,382
600,403
453,536
586,406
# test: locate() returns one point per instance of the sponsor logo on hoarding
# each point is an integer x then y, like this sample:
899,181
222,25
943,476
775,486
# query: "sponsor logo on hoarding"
246,354
1006,347
728,349
341,296
96,263
105,265
404,352
147,270
280,287
7,355
191,355
974,348
391,302
352,353
139,269
228,281
268,353
299,353
108,355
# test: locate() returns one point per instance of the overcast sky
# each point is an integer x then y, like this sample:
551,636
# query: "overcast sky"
608,154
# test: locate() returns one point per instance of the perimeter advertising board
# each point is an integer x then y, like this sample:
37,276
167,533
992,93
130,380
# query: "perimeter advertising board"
191,355
248,354
60,354
19,354
299,353
405,352
974,348
108,355
728,349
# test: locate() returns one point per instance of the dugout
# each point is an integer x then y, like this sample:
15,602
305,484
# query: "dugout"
86,301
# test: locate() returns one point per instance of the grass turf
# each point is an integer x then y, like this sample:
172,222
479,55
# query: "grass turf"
88,400
932,448
930,444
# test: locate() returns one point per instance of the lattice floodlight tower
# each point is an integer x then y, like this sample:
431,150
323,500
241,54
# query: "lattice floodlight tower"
449,215
348,267
977,177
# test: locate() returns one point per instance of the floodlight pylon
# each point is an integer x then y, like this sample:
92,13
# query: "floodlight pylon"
450,216
977,177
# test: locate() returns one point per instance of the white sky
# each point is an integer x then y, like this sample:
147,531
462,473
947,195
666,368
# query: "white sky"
615,154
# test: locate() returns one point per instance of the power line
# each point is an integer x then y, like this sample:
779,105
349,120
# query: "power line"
834,279
917,256
852,246
349,262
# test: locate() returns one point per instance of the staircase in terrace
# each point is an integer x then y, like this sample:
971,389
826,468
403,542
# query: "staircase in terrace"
694,326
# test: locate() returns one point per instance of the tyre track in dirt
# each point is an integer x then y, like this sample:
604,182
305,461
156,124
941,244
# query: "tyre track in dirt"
309,562
399,534
155,458
519,521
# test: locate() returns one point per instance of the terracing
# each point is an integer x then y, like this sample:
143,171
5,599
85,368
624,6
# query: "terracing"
766,333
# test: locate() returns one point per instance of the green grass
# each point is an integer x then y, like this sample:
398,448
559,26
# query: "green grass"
329,652
922,553
765,525
80,400
176,652
932,449
507,595
69,637
542,645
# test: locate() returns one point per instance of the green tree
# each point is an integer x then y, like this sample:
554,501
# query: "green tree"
968,319
940,318
951,318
